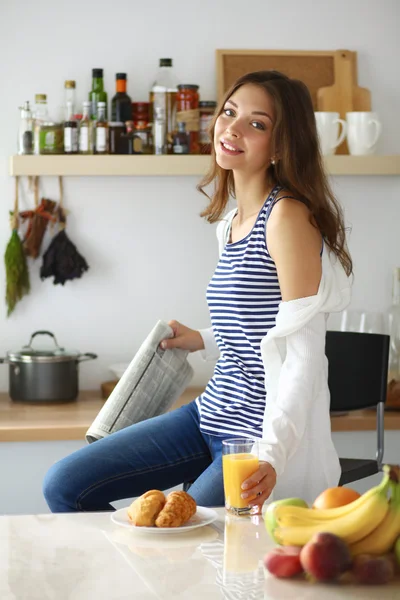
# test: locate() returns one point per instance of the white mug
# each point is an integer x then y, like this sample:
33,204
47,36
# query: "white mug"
328,131
363,131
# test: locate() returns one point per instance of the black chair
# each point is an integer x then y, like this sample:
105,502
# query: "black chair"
357,379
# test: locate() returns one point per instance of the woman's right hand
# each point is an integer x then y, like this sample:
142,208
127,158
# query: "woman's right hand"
184,338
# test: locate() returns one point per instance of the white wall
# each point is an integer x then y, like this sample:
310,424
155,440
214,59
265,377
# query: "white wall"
150,254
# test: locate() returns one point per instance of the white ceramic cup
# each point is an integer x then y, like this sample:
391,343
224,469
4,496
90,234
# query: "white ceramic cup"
363,132
328,131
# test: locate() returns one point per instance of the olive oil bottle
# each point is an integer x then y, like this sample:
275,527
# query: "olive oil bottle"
101,129
97,93
86,130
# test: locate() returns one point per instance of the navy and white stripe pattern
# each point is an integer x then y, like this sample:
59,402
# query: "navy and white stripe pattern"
243,298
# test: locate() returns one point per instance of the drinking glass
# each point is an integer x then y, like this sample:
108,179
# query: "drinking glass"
239,461
362,321
372,322
351,320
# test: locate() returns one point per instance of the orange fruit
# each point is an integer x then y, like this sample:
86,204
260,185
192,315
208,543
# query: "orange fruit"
334,497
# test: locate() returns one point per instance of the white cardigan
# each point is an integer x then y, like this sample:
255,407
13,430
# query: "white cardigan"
296,437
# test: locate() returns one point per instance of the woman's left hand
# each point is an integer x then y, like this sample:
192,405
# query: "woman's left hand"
259,485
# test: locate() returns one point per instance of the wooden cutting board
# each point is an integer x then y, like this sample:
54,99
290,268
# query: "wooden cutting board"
344,95
314,67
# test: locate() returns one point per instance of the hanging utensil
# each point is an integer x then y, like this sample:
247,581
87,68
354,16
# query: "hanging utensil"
62,259
38,221
17,274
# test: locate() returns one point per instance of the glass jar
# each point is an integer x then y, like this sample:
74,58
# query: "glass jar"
180,140
207,110
142,127
187,111
146,136
51,138
134,141
141,115
115,130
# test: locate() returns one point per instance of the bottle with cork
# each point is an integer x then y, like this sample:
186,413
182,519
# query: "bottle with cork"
69,99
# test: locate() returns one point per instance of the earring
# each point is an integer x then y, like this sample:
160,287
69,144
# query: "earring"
272,161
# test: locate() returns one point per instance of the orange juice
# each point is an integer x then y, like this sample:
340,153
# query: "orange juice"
237,468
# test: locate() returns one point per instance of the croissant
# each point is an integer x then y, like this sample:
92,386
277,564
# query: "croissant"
178,509
145,509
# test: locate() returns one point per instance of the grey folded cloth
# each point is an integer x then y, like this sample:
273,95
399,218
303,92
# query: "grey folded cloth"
154,380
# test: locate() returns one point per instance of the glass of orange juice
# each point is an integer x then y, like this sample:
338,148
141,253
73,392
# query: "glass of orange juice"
239,461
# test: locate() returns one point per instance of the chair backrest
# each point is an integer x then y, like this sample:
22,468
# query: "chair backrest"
358,369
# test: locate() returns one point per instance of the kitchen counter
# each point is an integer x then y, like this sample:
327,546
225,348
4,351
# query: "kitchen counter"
88,557
23,422
28,422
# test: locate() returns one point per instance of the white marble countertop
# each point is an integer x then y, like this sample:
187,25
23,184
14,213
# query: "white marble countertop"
87,557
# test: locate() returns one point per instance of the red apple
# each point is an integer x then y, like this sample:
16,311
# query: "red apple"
284,562
373,570
325,557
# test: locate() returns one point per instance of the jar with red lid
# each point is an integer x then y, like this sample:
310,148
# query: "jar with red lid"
207,110
187,111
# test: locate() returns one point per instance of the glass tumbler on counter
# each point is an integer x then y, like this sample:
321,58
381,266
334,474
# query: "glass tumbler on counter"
239,461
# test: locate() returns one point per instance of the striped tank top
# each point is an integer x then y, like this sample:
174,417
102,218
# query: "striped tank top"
243,298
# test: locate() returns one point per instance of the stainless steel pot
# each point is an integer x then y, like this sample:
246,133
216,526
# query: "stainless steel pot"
44,375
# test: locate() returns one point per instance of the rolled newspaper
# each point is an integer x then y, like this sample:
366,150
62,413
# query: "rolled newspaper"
153,381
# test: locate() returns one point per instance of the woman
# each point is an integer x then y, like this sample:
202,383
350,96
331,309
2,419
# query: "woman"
283,267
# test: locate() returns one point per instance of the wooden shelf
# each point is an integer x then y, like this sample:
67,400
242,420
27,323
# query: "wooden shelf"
149,165
108,165
363,165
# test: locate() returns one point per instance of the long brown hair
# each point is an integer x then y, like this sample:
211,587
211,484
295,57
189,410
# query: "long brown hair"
300,167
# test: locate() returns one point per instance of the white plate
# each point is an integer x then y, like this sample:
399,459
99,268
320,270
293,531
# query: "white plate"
203,516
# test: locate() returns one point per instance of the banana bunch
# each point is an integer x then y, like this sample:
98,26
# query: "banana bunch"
382,539
370,524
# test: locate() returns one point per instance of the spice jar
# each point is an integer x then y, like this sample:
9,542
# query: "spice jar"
115,129
141,115
51,138
187,111
142,125
146,136
207,110
131,142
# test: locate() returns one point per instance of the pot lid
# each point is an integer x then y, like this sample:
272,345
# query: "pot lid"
30,354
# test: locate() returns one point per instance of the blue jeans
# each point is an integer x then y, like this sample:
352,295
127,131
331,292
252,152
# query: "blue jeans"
159,453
